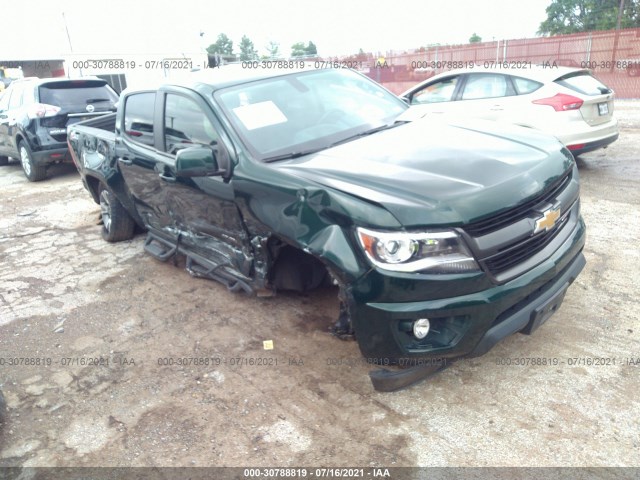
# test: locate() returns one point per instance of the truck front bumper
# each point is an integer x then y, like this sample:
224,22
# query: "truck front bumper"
464,325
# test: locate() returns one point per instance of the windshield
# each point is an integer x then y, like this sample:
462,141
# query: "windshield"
307,111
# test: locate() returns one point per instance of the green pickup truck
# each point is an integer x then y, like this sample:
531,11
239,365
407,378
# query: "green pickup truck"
442,239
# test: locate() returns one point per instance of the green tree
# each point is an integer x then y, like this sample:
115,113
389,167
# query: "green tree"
298,49
574,16
247,50
273,49
475,38
311,48
222,46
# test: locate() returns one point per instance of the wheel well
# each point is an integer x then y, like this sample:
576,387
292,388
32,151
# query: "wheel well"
294,269
19,138
94,187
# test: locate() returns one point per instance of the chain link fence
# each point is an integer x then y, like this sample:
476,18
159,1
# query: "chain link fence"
612,55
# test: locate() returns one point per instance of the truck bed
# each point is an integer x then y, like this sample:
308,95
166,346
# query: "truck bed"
92,143
102,128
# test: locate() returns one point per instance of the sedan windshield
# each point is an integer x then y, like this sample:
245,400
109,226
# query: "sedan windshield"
303,112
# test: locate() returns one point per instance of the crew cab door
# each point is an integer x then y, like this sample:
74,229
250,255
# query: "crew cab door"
202,208
140,162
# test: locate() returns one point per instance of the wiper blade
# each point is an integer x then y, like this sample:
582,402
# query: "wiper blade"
288,156
366,133
94,100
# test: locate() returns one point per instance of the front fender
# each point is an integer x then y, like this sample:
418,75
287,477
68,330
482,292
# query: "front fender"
318,220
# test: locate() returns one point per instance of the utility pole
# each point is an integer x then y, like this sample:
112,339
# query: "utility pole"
620,10
66,28
616,39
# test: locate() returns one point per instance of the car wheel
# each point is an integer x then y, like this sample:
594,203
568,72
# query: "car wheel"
33,172
3,161
117,224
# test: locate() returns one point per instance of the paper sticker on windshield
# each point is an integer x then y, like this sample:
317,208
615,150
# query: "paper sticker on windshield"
258,115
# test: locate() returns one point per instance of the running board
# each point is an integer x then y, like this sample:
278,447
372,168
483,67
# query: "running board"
197,265
153,245
200,267
384,380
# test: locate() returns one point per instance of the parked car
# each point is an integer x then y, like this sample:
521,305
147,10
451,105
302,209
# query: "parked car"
568,103
35,113
442,239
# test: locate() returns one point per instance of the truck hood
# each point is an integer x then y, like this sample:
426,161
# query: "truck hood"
428,173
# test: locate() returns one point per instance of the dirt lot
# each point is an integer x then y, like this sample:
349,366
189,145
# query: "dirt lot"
68,299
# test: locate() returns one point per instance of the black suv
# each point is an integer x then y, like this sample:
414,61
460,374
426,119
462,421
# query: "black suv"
35,113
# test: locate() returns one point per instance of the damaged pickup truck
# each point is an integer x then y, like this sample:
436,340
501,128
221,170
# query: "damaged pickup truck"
443,239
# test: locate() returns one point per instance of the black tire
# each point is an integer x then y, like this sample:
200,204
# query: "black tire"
117,224
4,161
33,172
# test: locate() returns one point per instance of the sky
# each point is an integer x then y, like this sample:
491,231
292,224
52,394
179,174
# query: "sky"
119,27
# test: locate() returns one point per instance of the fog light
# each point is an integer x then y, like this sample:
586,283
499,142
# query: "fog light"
421,328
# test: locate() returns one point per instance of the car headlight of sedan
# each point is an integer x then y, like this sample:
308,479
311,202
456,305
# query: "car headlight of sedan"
431,252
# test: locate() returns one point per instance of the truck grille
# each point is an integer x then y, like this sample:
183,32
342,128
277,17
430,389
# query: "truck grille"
519,212
514,248
515,254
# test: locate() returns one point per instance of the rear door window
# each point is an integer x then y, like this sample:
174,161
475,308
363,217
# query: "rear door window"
583,82
16,96
480,85
4,99
138,117
76,96
441,91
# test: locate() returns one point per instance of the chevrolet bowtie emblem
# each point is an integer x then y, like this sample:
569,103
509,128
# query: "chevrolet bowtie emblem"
548,220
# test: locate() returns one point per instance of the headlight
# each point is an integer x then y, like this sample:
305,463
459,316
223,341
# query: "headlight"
433,252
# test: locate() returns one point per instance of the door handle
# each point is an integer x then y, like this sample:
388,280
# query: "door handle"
125,160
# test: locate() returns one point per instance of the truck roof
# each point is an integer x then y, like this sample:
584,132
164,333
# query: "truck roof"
227,75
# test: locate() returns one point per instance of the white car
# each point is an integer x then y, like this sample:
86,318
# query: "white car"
566,102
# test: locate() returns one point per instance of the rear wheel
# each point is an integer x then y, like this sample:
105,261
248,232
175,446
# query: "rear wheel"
33,172
3,160
117,224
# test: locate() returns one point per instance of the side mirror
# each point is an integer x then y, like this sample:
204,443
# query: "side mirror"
197,162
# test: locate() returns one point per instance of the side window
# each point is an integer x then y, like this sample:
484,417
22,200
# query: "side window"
524,85
16,97
485,86
138,117
441,91
4,99
28,96
186,125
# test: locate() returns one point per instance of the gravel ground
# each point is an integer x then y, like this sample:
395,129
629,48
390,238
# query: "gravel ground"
98,324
